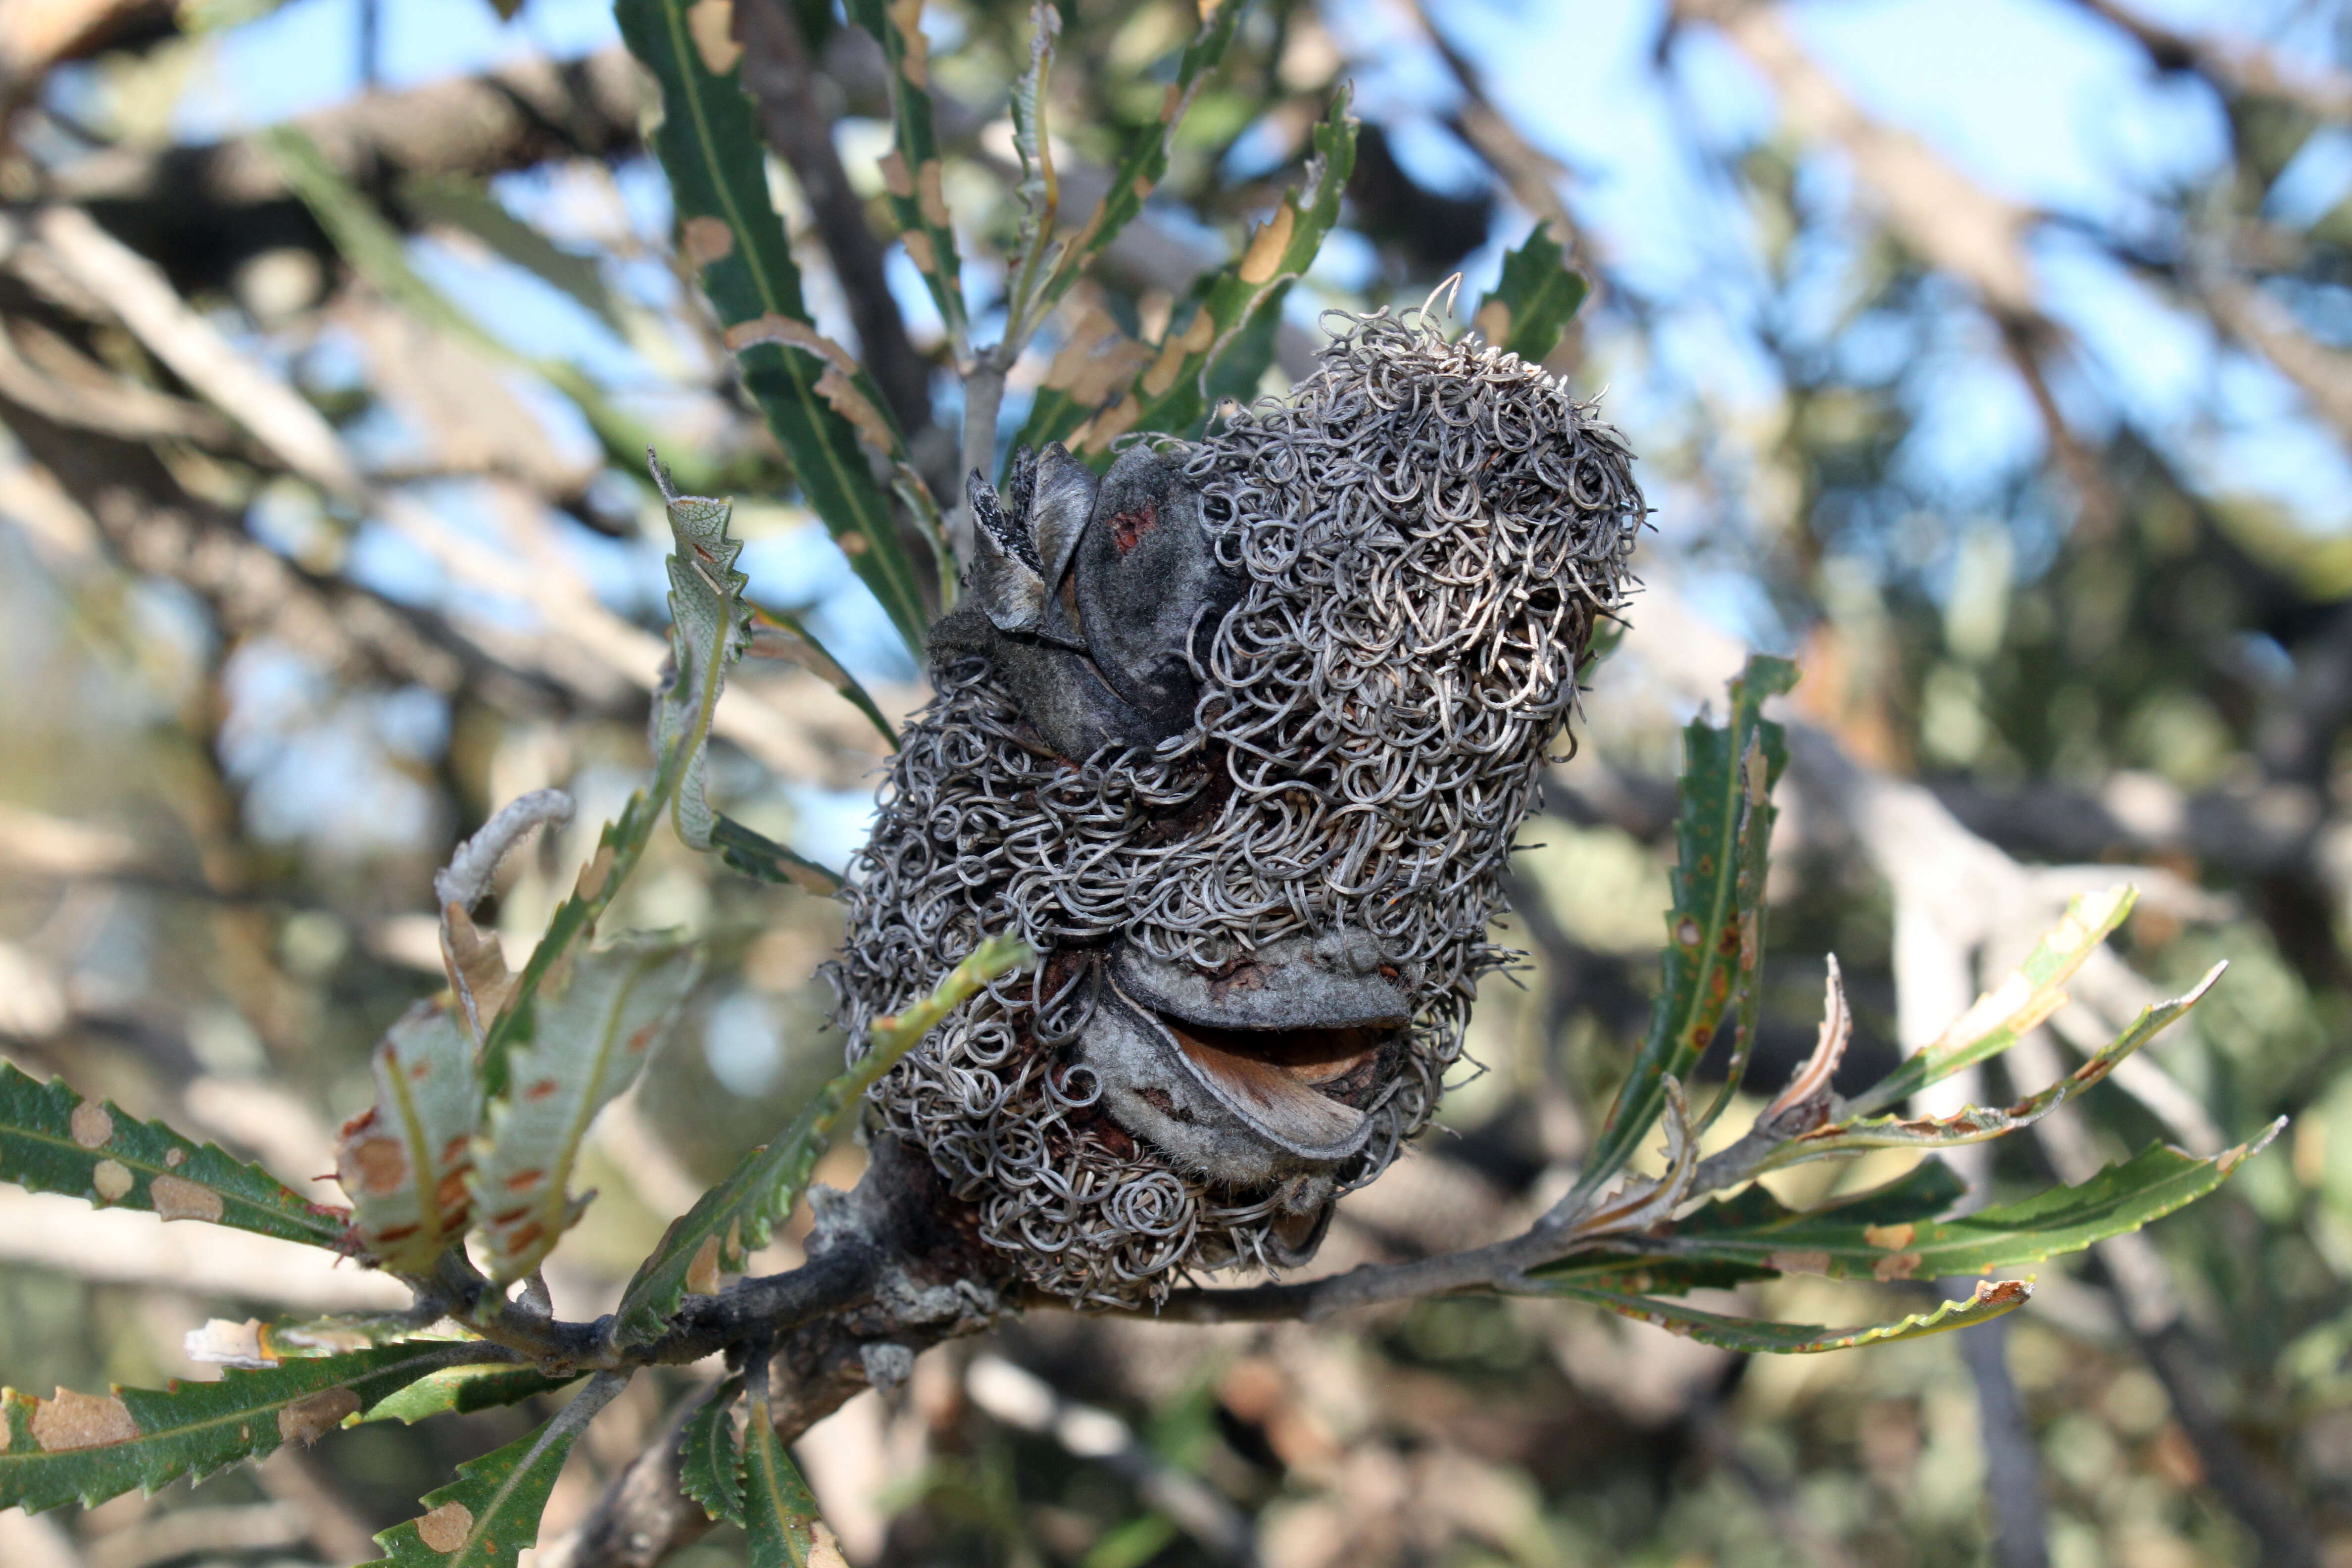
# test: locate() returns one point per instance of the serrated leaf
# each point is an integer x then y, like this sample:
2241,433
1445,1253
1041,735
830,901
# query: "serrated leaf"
738,1217
756,855
588,1040
709,628
1723,822
490,1513
1975,1124
1533,302
461,1390
912,175
710,147
2005,1015
1142,163
1992,1298
1173,393
779,633
405,1159
54,1141
618,849
1924,1192
780,1516
88,1447
2122,1198
710,1455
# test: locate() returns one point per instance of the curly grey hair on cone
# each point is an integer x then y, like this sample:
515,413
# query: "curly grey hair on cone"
1238,737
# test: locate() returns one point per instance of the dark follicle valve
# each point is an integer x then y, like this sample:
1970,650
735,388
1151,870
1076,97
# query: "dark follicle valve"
1237,735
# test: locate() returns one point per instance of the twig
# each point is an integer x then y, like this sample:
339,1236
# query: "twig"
777,75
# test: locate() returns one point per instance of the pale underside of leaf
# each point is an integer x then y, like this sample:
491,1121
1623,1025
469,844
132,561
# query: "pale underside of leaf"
588,1043
405,1161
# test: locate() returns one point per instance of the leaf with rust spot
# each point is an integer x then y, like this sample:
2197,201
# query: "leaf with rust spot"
588,1043
53,1140
490,1513
402,1161
79,1448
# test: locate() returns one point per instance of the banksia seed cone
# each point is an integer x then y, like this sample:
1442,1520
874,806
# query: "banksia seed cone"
1238,736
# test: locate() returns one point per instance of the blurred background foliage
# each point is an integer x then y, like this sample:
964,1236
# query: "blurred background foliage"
1996,360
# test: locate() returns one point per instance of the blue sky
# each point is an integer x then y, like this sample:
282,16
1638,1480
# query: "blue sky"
2034,98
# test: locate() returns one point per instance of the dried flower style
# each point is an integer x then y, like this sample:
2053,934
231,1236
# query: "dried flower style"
1239,736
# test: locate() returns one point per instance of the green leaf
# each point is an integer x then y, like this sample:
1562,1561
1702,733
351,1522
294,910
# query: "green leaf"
468,204
709,145
405,1161
1723,822
710,1455
1992,1299
1927,1189
707,634
54,1141
590,1038
1843,1246
1172,396
912,173
737,1217
1144,162
486,1518
1975,1124
2005,1015
756,855
709,628
1536,299
462,1390
618,849
779,633
88,1447
778,1514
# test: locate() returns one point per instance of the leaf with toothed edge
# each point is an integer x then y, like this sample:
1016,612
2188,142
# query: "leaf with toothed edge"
710,629
1172,396
779,1513
1144,160
405,1161
911,175
54,1141
1753,1231
710,1455
2007,1013
1713,931
490,1513
1992,1299
738,1217
1975,1124
710,148
82,1447
590,1038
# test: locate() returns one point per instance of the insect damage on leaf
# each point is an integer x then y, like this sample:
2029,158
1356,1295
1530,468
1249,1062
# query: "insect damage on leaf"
404,1161
53,1140
590,1038
88,1447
